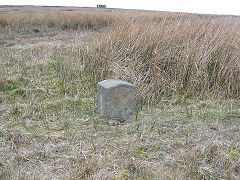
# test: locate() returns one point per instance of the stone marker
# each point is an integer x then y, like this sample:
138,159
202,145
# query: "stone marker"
116,98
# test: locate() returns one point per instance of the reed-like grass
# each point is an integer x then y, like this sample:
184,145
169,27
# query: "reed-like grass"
166,56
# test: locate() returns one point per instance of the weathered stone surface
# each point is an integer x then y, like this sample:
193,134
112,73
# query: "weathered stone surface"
116,98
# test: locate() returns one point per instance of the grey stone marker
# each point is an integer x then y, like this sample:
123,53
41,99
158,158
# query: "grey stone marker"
116,98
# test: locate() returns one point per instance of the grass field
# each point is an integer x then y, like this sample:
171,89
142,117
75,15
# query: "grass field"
186,68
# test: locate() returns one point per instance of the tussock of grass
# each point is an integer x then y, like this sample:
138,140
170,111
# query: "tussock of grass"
182,56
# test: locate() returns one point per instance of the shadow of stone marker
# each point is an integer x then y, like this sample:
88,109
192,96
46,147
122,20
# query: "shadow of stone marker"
115,98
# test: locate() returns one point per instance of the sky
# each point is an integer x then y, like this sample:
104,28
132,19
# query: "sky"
231,7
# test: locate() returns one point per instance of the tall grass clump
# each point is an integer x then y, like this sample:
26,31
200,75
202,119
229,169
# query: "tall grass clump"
181,55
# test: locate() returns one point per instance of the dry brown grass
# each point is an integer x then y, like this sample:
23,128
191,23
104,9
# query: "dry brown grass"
59,20
173,55
49,128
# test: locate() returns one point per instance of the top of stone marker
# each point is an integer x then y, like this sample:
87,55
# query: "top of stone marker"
112,83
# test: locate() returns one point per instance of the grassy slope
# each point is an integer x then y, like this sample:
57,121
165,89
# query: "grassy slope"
49,128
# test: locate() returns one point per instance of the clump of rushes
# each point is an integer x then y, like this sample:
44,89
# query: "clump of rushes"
182,55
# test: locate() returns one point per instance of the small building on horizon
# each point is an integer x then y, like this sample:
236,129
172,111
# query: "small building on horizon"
101,6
